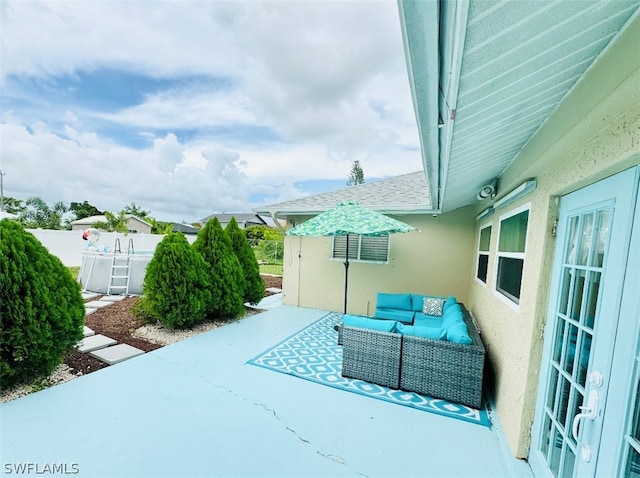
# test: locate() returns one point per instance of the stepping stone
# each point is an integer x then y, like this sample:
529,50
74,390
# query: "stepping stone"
116,353
89,295
98,304
113,298
274,290
89,311
95,342
87,331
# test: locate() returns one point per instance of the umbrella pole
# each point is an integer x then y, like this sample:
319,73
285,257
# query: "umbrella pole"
346,274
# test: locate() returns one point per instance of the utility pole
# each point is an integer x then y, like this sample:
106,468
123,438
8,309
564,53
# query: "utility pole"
2,173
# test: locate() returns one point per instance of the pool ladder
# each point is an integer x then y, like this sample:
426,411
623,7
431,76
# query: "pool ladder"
120,269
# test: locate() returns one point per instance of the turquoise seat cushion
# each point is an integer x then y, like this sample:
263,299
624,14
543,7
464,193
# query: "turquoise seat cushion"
369,323
434,333
393,301
423,320
458,333
405,316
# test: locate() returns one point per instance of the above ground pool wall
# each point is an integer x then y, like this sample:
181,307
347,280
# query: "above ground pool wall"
95,274
68,246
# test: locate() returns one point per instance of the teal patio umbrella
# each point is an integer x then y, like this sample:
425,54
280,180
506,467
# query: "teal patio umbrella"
349,218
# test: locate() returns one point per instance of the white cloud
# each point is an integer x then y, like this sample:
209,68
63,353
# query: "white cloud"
285,92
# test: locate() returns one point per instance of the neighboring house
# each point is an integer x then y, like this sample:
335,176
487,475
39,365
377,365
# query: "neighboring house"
244,219
534,98
184,228
135,224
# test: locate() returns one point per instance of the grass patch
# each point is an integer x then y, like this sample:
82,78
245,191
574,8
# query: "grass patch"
275,269
74,272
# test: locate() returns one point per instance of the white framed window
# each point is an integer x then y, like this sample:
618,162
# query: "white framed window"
361,248
484,241
510,255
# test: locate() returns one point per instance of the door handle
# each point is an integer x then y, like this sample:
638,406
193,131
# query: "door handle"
590,412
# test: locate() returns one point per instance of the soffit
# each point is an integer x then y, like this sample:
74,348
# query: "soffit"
520,59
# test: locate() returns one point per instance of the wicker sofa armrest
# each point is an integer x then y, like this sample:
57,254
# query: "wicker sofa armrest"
372,356
444,369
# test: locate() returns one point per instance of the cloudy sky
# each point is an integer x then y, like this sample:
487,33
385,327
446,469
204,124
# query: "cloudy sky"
189,108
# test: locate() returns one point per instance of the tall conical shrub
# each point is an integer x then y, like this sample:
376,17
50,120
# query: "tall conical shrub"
227,281
177,288
253,284
41,308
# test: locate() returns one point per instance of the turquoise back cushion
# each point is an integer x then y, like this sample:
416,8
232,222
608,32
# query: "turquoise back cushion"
451,300
426,332
369,323
393,301
452,316
458,333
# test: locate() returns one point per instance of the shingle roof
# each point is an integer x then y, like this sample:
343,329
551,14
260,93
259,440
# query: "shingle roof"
408,194
241,217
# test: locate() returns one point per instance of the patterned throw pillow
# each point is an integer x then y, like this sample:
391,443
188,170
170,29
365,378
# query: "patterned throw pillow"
432,306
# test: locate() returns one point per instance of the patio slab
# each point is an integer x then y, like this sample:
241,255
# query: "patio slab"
116,353
196,408
113,298
89,310
95,342
89,295
87,331
98,304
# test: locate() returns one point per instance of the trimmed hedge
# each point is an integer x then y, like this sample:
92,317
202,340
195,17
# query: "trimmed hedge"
176,284
227,280
41,307
253,283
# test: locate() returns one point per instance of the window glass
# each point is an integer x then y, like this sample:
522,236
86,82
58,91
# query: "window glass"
513,233
510,255
483,253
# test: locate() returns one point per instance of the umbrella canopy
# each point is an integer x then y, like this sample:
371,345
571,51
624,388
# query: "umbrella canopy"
349,218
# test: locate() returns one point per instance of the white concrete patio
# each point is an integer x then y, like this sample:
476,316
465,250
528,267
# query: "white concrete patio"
196,408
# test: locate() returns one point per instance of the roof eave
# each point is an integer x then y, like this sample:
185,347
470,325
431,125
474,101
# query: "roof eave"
419,22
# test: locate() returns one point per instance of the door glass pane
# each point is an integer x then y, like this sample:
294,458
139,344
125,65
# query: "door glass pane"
572,241
585,240
558,344
568,462
571,348
546,436
633,464
554,458
602,237
564,289
553,386
592,299
583,357
576,300
563,399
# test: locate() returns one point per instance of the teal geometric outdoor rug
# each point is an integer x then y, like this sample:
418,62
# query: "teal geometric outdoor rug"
313,354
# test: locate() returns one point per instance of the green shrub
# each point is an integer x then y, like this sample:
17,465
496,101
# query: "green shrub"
41,308
176,284
253,284
227,281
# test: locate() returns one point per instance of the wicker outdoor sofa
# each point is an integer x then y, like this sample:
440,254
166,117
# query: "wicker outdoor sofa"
437,368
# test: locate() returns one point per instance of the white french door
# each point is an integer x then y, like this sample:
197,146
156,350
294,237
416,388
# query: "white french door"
587,419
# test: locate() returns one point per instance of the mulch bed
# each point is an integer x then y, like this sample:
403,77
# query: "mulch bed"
117,321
